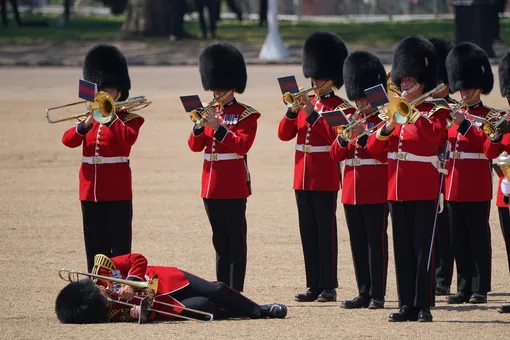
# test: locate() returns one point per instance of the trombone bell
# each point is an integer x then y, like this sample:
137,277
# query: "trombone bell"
398,110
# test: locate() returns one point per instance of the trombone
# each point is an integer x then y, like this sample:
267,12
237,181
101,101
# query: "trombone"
103,108
398,109
199,115
149,287
300,98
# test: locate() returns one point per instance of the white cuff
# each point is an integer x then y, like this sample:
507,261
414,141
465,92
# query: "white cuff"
505,187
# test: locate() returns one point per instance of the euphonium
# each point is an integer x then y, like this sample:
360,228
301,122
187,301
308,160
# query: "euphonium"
199,115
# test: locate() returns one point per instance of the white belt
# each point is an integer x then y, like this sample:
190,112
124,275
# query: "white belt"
361,161
212,157
406,156
311,149
466,155
104,160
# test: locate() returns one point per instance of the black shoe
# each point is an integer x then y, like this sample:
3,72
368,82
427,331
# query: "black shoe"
425,315
327,295
457,299
361,301
376,304
478,298
504,309
273,311
404,314
309,296
442,290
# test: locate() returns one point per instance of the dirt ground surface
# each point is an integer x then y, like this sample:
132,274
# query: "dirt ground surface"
40,219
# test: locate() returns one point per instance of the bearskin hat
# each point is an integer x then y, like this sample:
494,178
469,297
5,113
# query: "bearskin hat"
222,67
415,57
81,302
106,66
504,75
469,68
361,71
443,47
324,54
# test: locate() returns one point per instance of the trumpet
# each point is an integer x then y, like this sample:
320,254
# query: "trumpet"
345,131
150,288
300,98
488,127
103,108
199,115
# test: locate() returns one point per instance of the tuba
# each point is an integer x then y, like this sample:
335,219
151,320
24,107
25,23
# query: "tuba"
199,115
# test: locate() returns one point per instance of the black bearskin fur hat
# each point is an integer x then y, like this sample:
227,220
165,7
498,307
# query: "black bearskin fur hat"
443,47
469,68
324,54
415,57
106,66
361,71
504,75
81,302
222,67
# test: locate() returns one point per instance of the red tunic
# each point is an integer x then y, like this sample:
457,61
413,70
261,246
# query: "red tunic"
365,179
413,155
469,170
134,267
492,151
227,178
100,181
314,169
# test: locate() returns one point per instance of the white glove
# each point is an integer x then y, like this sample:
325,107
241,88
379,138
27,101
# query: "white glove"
505,187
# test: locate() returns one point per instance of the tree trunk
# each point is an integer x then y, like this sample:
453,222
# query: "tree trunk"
147,18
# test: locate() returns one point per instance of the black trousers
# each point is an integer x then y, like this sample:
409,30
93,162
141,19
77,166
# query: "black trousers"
368,224
504,221
212,7
413,222
318,228
107,228
443,250
228,222
216,298
471,240
178,10
14,5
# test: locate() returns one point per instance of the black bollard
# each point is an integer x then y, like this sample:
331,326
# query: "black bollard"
473,23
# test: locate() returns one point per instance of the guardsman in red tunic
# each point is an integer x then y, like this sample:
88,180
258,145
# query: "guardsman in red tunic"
413,187
226,139
468,183
316,175
443,246
84,302
365,186
105,175
494,146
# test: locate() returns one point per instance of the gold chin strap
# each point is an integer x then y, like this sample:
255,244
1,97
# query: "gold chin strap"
102,261
318,90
